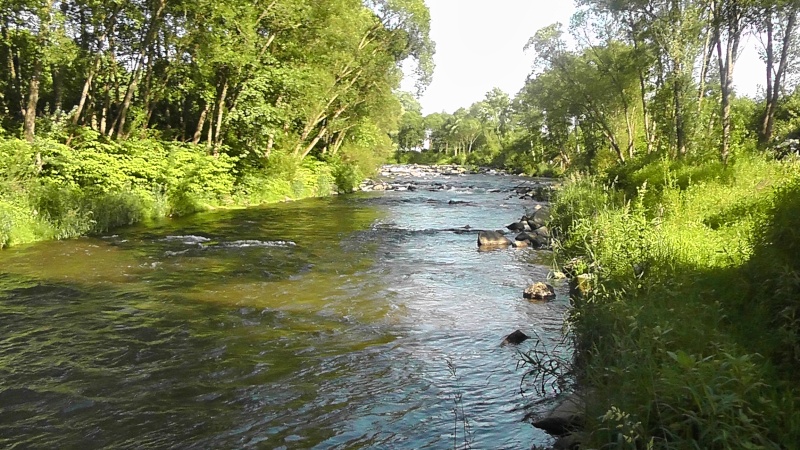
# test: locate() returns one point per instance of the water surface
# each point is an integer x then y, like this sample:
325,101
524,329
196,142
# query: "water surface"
351,322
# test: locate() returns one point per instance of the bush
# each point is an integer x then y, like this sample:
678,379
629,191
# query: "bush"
347,177
98,184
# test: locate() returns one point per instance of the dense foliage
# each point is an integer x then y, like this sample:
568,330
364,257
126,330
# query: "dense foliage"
628,79
683,220
204,102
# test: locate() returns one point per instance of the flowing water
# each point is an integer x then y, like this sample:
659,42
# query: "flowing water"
360,321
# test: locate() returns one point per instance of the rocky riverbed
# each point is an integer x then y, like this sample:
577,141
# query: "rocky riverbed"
411,177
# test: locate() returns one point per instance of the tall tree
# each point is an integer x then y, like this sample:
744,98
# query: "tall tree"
729,25
777,21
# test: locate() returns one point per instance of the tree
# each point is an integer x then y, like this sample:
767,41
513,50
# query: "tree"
777,21
729,24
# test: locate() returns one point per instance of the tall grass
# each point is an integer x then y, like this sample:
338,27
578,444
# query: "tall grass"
691,334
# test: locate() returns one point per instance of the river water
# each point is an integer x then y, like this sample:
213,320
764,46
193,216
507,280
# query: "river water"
359,321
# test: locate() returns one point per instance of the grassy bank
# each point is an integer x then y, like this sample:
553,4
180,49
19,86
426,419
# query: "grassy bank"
52,191
690,337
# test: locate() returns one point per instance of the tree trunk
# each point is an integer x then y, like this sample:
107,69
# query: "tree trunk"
198,132
29,125
137,71
220,114
774,87
726,61
649,134
337,143
149,104
313,143
631,127
680,128
58,91
119,122
270,144
16,98
105,110
85,92
708,52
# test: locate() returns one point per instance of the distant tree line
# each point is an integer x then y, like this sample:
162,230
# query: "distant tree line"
640,78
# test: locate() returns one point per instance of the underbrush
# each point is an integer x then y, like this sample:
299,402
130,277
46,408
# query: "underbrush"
52,191
690,334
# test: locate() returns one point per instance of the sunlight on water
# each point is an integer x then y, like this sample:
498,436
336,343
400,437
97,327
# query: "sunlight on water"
334,323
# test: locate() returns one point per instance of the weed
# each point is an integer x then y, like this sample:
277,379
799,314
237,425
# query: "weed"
459,415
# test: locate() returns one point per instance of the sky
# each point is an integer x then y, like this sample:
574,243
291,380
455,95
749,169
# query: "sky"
479,46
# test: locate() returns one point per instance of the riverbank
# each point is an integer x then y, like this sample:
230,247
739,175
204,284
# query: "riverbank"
688,337
52,191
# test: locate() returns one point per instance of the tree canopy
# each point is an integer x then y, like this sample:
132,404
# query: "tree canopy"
306,77
628,78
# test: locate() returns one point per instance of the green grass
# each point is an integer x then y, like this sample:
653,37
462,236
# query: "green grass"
690,336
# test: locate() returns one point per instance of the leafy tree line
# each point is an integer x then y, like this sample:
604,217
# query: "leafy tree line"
629,78
114,111
306,77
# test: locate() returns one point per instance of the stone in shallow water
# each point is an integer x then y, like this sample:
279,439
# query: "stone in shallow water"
516,226
540,217
515,338
539,291
492,239
567,417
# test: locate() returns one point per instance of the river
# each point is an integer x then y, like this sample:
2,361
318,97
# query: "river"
358,321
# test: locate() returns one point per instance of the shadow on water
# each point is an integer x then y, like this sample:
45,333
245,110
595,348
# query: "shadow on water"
128,370
324,323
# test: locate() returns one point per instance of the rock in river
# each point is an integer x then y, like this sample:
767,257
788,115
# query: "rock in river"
492,239
564,418
515,338
539,291
517,226
540,217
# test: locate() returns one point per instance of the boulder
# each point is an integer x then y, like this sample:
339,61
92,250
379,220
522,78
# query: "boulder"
524,236
539,291
541,237
543,232
570,441
492,239
565,418
540,218
540,193
521,244
515,338
533,240
517,226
